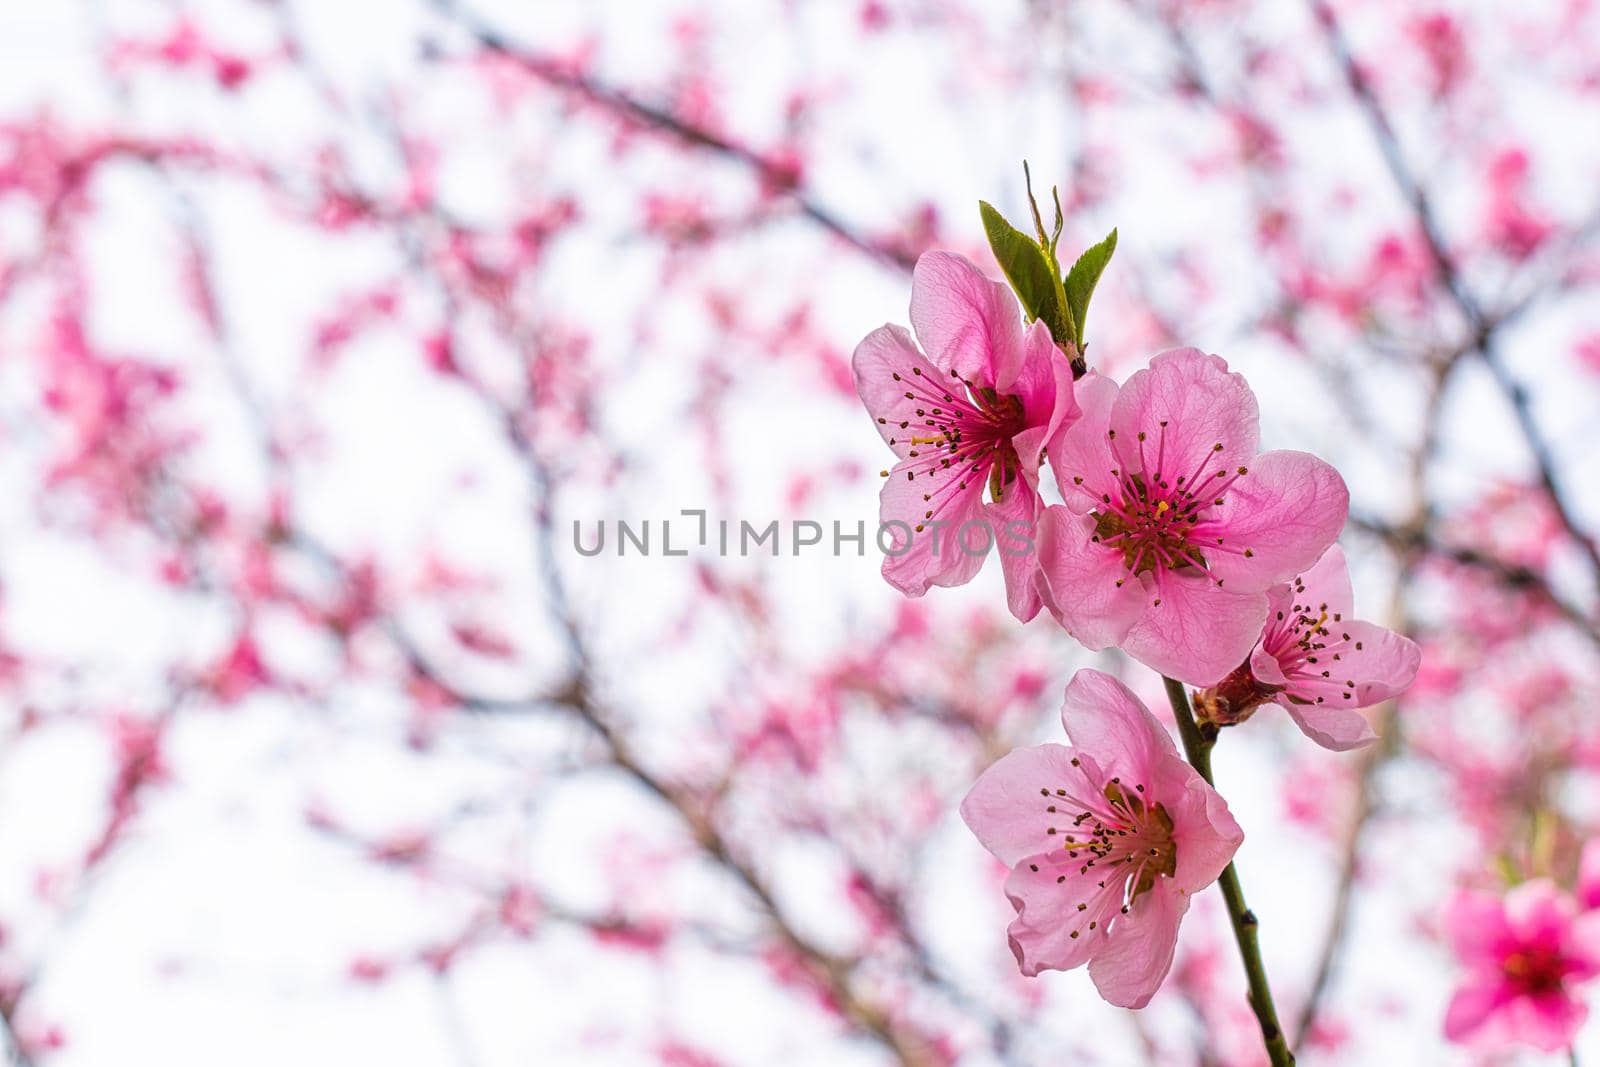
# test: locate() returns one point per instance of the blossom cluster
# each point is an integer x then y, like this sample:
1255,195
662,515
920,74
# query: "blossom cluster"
1175,539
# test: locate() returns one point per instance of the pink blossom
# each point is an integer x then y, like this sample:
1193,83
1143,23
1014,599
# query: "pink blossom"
1587,349
1316,662
239,672
977,411
1589,876
1438,35
1168,541
1511,224
1107,840
368,969
1524,955
679,1054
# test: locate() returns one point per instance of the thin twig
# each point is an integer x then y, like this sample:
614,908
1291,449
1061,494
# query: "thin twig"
1246,929
625,105
1514,576
1344,893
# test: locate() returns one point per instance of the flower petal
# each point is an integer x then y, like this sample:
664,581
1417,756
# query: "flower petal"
886,366
1045,388
1589,875
1360,664
1082,460
1185,403
1014,519
1041,384
1334,728
1583,946
1086,587
1275,522
1264,666
1005,809
1203,828
1548,1022
1138,954
1539,911
1103,717
1471,1007
937,554
967,323
1192,629
1057,898
1475,924
1328,582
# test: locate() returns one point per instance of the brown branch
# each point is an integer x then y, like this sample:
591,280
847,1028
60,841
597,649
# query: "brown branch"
576,697
628,107
1417,539
1482,325
1344,889
16,1054
1408,550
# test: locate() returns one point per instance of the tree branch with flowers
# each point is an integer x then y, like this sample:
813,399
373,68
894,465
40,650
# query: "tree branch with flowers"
1176,540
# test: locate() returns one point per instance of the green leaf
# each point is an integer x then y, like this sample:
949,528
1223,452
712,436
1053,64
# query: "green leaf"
1083,276
1028,270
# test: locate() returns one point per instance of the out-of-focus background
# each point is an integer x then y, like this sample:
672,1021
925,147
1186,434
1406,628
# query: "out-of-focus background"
323,323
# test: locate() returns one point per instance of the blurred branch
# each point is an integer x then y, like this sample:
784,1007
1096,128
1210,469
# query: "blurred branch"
1484,326
1513,576
626,106
832,972
1413,539
576,697
608,923
16,1054
1350,847
1408,543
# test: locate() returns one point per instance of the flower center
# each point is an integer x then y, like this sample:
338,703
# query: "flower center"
1310,644
1535,971
1148,529
1156,519
1295,642
959,434
1119,834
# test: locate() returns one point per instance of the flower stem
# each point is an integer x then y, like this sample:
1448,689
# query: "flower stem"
1197,747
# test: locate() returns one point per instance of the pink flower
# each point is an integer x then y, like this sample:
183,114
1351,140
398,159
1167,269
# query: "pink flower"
1524,955
1107,841
1168,541
1316,662
977,411
1512,225
1587,349
1589,875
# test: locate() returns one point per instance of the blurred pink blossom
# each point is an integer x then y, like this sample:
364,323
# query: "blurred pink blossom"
1525,955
